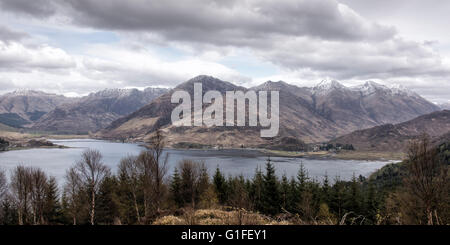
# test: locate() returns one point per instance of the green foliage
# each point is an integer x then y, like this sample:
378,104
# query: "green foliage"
220,186
52,206
270,193
175,189
107,207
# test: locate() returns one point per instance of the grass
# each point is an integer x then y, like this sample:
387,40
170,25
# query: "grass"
343,154
368,155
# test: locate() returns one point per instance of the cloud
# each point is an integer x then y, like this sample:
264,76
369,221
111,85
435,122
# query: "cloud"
53,70
17,56
308,40
144,68
7,34
387,59
323,35
37,8
231,23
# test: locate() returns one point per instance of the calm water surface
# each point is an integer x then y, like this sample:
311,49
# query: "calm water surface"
232,162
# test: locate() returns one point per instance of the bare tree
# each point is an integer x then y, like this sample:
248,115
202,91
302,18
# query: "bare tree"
427,177
153,168
144,163
37,194
158,166
3,185
21,185
129,169
3,191
92,172
72,191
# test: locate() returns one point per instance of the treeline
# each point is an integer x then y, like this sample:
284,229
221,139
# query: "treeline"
141,192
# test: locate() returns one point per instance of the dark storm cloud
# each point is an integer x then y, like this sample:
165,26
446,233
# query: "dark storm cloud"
38,8
214,21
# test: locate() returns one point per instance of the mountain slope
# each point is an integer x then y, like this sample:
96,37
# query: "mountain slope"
95,111
157,114
23,107
445,106
316,114
390,137
392,104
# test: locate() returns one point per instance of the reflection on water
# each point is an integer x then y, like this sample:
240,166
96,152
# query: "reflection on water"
232,162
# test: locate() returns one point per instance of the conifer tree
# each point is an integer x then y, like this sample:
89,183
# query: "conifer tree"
108,205
271,193
285,195
325,198
220,186
52,206
354,199
175,188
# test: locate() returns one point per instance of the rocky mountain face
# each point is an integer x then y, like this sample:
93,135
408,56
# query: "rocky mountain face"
95,111
395,137
316,114
23,107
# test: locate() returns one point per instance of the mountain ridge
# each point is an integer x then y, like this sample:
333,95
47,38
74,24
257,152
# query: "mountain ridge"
95,111
394,137
305,114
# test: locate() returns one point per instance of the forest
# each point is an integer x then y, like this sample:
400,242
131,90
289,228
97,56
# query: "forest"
415,191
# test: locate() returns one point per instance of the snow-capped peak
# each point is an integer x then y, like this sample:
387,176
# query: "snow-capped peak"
400,89
113,92
26,92
371,87
325,86
328,84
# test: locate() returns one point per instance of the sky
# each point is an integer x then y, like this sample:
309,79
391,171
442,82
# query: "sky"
74,47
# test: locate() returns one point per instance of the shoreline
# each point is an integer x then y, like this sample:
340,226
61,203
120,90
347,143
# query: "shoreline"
342,155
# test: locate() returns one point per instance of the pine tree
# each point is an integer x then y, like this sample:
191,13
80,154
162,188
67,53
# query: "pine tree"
293,197
52,206
203,181
220,186
175,189
353,198
302,178
189,175
337,197
257,190
371,203
285,195
107,202
325,197
271,193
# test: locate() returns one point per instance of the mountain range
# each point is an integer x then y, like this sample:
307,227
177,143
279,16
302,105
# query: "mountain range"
95,111
23,107
308,114
395,137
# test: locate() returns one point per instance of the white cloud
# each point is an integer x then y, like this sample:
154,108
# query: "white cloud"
308,40
14,55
